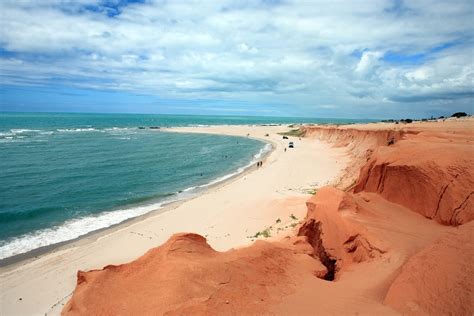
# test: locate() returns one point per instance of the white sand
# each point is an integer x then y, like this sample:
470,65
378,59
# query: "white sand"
227,215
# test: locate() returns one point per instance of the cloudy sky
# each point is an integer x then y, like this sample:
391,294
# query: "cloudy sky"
335,58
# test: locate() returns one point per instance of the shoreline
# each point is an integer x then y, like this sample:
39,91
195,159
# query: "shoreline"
31,255
229,215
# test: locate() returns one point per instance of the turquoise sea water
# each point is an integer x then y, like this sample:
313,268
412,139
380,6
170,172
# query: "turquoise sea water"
64,175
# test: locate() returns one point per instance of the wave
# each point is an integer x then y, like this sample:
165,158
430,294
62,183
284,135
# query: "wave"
72,229
78,227
21,131
262,152
118,129
75,130
266,149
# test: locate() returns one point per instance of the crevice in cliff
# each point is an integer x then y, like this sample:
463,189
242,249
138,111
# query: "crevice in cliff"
383,171
439,200
443,191
354,242
312,230
458,209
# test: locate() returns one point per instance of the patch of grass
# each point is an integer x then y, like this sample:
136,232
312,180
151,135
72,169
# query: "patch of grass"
278,221
312,191
293,225
264,233
293,217
294,132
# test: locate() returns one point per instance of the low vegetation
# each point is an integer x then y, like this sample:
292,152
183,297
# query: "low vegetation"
276,228
432,118
264,233
294,132
311,191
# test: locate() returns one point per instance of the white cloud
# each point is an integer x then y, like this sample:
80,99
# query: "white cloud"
296,52
244,48
367,61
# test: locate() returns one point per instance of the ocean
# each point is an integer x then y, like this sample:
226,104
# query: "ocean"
65,175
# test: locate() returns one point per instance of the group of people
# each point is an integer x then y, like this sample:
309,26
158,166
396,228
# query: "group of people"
259,164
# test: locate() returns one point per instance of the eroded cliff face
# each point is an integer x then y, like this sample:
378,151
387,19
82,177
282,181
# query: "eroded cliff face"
337,241
429,172
185,276
360,145
426,172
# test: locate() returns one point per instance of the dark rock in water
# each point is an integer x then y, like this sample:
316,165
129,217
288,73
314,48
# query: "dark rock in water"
141,127
154,127
459,114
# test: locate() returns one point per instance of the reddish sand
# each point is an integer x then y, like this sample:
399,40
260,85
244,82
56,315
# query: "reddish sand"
399,242
429,284
186,276
435,170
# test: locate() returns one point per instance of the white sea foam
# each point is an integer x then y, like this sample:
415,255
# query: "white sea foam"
75,130
198,125
72,229
120,129
267,148
263,151
75,228
21,131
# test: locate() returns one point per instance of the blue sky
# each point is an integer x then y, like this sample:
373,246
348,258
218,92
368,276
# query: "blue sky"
353,59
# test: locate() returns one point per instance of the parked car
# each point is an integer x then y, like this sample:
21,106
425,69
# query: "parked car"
291,145
285,137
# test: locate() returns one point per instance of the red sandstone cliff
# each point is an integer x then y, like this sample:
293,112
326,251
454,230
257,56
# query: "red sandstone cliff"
185,276
404,172
427,171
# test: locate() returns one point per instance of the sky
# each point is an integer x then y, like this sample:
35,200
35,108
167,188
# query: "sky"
334,58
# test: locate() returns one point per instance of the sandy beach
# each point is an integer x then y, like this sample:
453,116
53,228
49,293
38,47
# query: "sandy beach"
228,215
